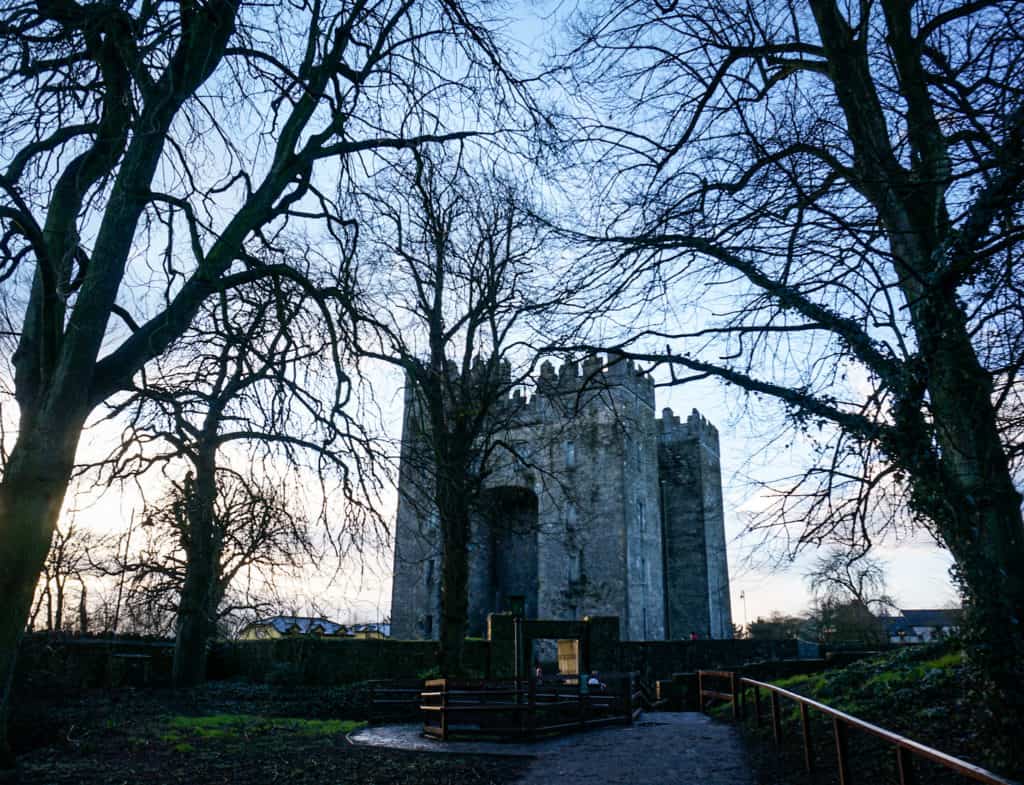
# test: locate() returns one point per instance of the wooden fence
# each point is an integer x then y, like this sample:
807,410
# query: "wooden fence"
395,699
732,688
455,708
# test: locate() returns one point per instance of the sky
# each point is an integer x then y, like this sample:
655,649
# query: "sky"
360,591
917,570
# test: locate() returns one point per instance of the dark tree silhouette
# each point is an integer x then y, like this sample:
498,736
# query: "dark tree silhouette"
259,534
70,562
451,293
260,372
835,189
842,576
152,154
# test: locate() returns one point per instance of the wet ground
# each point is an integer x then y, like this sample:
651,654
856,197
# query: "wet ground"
215,735
664,748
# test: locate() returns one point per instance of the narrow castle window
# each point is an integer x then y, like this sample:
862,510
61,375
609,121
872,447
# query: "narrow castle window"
428,625
570,516
430,572
641,515
575,564
570,454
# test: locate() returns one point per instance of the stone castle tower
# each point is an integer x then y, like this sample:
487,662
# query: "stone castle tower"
601,509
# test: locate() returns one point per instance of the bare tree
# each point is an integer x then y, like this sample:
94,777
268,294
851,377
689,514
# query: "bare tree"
71,561
151,153
842,576
450,292
260,536
835,191
256,372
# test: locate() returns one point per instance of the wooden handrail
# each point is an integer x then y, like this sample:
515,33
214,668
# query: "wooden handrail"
841,721
930,753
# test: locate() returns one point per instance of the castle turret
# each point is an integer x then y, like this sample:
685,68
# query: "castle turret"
693,528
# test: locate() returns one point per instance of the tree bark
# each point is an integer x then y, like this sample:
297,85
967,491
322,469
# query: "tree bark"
31,494
452,495
454,518
197,610
83,609
950,443
977,512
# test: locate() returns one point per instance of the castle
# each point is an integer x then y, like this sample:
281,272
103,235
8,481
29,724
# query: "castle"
599,509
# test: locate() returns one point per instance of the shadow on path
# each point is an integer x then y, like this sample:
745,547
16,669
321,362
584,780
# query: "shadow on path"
663,748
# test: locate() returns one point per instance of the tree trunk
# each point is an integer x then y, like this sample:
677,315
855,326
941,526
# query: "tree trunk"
453,511
978,514
31,494
58,614
196,611
48,593
83,609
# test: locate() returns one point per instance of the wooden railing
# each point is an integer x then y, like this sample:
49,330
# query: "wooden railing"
456,708
906,749
395,699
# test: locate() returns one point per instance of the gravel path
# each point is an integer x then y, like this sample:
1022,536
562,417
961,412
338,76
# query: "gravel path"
662,748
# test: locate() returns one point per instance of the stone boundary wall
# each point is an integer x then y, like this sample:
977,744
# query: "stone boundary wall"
46,660
326,661
323,661
344,661
660,659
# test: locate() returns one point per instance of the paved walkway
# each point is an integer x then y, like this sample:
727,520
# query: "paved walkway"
661,748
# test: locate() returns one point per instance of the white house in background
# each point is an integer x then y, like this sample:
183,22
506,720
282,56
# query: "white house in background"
291,626
922,625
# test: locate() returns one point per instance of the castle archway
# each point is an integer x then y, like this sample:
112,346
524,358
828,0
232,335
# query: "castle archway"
503,561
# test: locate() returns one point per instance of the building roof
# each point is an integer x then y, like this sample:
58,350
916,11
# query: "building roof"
302,625
938,617
383,628
920,617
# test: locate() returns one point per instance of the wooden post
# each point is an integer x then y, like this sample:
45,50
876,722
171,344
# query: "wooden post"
444,710
805,722
776,718
842,752
735,696
531,709
905,766
700,690
757,706
628,698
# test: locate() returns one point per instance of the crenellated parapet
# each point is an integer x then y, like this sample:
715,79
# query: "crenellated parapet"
672,428
576,387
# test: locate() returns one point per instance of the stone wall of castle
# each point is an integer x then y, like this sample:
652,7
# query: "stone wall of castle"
570,522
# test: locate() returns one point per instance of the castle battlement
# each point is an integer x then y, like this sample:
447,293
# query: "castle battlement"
593,376
672,428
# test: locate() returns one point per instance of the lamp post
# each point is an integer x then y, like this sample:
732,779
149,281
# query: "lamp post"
743,596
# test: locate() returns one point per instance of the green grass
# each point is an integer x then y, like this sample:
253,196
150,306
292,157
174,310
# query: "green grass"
802,683
949,660
182,729
898,687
